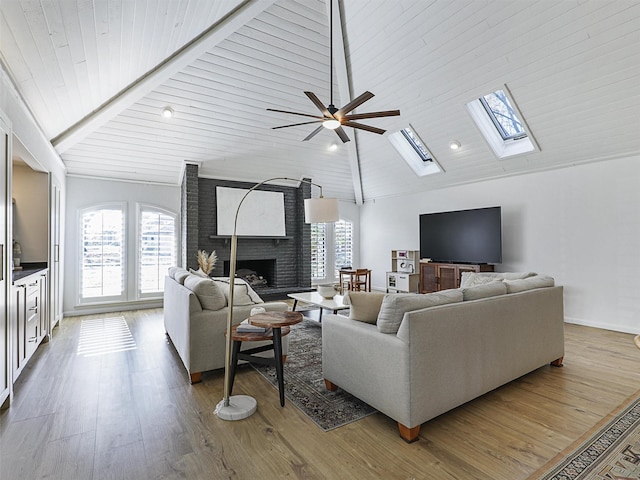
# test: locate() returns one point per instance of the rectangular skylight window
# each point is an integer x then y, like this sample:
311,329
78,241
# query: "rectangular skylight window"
501,124
414,152
503,115
416,144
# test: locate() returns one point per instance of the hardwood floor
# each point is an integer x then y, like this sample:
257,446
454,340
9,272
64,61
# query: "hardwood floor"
132,414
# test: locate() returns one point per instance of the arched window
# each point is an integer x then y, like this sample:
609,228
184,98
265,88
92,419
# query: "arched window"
102,262
156,249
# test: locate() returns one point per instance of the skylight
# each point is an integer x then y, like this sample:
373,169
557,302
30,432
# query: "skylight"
416,144
414,152
501,124
503,115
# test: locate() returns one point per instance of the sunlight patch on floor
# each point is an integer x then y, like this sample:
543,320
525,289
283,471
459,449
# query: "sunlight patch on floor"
101,336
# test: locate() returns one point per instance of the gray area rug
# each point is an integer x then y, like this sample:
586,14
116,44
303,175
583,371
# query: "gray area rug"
304,384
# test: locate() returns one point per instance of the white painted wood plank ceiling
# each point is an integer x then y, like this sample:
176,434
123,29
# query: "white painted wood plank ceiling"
96,76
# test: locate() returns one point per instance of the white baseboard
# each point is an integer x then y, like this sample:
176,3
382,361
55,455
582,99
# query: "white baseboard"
114,307
605,326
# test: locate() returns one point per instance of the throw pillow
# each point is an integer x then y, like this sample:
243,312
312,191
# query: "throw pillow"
198,272
523,284
243,294
470,279
364,306
491,289
209,294
395,305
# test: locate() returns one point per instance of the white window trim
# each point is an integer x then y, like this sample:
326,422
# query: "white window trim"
139,208
84,301
501,148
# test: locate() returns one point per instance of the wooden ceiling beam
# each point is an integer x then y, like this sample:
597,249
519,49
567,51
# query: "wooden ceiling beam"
344,87
145,84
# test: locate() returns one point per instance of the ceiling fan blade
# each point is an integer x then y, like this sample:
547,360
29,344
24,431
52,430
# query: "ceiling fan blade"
316,101
294,113
362,126
385,113
354,103
341,133
295,124
313,134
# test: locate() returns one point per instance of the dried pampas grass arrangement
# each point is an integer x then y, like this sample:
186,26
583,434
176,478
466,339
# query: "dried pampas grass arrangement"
206,262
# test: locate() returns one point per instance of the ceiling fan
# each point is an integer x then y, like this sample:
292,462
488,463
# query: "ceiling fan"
335,118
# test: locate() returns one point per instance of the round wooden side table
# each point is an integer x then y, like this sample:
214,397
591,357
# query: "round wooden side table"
279,324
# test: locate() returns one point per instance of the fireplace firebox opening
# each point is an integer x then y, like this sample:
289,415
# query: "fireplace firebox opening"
257,273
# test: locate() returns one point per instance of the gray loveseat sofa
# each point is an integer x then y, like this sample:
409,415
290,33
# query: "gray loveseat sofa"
195,318
414,357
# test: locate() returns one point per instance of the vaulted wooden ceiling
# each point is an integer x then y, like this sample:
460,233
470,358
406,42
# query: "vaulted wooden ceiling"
96,76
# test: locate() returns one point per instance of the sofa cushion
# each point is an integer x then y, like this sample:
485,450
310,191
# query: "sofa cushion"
243,294
470,279
395,305
491,289
209,294
523,284
171,272
181,275
364,306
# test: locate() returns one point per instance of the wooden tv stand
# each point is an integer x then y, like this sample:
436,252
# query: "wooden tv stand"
443,276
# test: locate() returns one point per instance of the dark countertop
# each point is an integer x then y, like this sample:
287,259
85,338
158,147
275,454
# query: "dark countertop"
28,269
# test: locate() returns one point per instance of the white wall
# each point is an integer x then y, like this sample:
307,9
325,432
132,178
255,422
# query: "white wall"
580,225
84,192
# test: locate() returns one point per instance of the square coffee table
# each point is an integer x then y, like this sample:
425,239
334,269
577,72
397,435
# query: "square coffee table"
314,298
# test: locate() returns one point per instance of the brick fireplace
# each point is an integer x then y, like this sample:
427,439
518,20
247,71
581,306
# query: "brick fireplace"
284,261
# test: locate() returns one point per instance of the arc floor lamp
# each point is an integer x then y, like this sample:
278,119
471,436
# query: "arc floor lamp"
316,210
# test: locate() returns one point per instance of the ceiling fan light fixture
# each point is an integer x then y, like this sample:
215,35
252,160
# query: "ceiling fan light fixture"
331,123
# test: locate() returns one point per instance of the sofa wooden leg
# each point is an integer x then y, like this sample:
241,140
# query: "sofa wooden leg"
332,387
196,377
409,434
557,362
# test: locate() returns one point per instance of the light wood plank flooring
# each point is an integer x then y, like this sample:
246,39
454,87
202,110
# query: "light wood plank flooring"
133,415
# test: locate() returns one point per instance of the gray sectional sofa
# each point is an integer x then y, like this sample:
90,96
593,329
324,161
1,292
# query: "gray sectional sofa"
414,357
195,317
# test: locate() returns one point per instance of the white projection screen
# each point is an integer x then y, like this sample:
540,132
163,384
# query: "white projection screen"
261,214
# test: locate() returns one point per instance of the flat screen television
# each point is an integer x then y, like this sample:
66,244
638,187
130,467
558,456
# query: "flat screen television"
463,236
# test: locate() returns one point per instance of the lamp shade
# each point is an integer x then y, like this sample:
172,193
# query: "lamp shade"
321,210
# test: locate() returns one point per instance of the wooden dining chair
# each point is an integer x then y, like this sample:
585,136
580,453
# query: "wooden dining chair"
361,280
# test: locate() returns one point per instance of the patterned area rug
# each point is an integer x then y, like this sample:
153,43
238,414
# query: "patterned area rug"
304,384
611,451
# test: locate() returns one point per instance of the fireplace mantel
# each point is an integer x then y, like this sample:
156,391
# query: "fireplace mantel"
227,238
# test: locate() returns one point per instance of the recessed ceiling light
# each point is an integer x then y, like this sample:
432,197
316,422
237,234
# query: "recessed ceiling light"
167,112
454,145
333,147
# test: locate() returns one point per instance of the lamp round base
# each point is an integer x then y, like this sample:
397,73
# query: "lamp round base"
240,406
